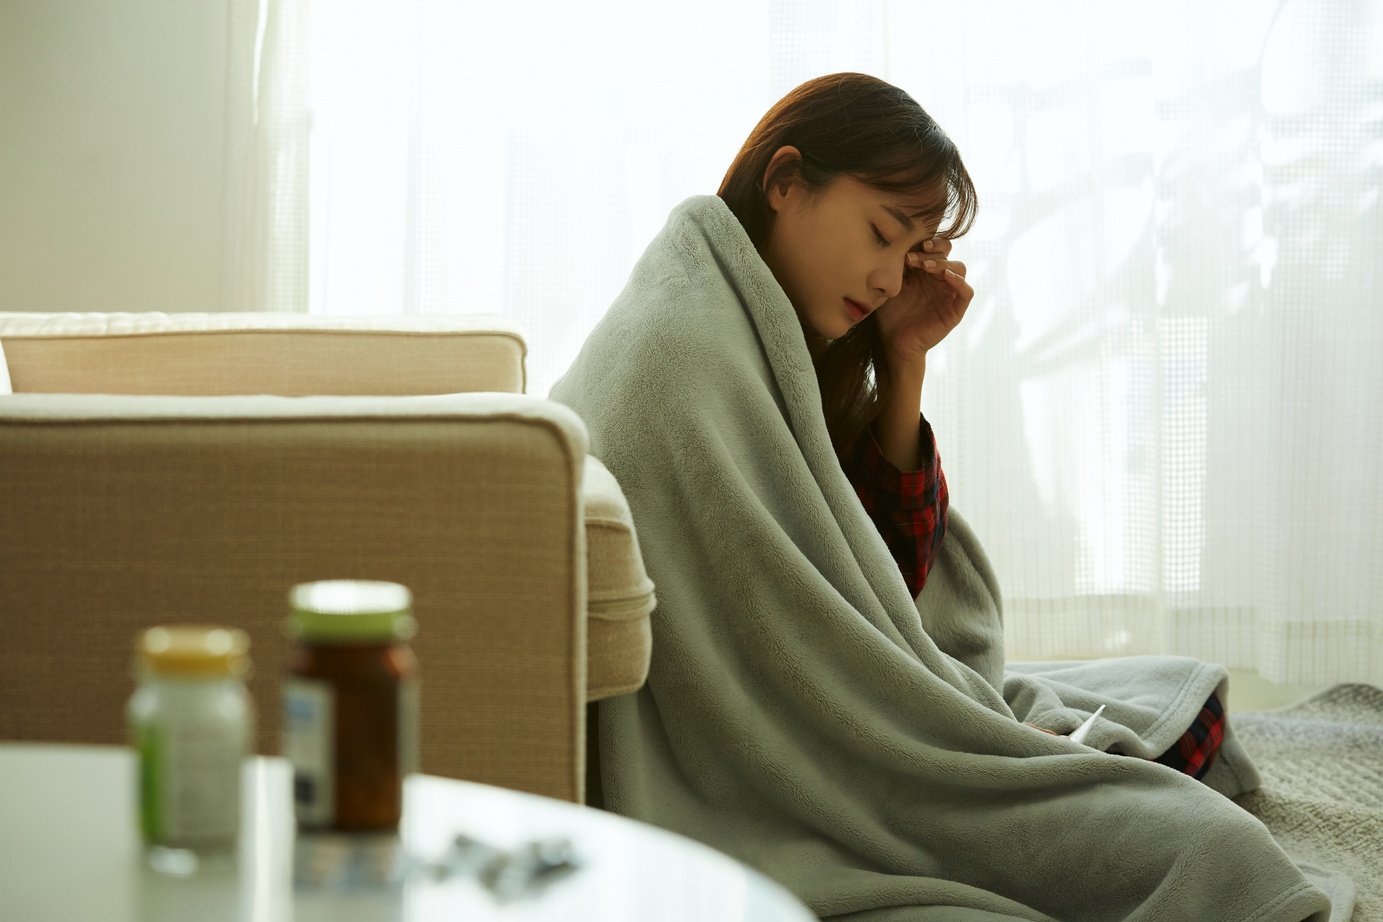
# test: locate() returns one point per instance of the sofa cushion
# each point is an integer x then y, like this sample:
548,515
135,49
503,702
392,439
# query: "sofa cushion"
619,594
291,355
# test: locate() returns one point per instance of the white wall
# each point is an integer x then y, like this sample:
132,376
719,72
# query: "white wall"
112,123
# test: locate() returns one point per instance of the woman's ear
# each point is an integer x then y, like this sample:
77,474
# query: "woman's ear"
780,175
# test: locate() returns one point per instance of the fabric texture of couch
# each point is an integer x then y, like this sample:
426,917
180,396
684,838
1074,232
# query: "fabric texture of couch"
166,468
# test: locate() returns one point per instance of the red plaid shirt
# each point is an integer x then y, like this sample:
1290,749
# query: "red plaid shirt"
1195,752
909,510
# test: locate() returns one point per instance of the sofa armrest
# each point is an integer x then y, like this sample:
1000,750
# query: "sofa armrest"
619,594
123,512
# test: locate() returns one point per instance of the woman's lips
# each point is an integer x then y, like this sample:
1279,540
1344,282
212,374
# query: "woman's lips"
857,310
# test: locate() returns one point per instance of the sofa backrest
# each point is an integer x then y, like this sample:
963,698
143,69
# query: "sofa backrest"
290,355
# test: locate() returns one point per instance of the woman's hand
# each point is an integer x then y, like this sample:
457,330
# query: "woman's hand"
933,299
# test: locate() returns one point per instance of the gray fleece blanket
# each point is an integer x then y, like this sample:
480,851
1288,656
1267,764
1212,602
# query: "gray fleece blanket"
804,714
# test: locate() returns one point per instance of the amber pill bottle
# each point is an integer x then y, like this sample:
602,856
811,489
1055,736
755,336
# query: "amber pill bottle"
350,704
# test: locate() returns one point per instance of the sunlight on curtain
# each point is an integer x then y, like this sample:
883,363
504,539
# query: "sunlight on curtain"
267,169
1162,414
516,158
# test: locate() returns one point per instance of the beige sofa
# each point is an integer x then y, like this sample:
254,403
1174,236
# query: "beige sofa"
192,467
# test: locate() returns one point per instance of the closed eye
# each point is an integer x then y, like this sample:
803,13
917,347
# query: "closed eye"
883,242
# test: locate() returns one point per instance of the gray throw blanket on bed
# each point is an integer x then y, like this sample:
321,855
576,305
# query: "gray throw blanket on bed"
804,714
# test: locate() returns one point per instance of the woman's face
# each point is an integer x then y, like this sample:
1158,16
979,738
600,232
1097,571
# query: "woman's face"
841,253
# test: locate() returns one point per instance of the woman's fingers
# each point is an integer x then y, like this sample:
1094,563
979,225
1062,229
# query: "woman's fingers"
952,272
927,263
934,248
934,262
937,246
958,282
943,269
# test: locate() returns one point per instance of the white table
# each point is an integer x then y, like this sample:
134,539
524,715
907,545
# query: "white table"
69,850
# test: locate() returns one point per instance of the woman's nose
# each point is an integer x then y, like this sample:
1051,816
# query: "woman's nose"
887,279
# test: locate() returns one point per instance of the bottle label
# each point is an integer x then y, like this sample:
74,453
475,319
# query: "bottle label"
309,744
189,782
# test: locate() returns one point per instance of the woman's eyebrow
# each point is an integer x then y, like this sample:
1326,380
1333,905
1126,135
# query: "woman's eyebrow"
903,219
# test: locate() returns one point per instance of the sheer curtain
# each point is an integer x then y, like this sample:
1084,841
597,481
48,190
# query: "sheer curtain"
1162,414
268,126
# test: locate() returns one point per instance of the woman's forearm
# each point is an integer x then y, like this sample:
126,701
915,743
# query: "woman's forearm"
899,424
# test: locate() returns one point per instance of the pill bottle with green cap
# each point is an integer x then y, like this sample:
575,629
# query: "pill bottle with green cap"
350,704
191,724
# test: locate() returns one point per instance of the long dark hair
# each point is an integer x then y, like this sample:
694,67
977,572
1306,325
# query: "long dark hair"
858,126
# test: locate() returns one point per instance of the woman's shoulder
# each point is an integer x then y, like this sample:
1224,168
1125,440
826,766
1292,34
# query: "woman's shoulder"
687,258
677,333
682,299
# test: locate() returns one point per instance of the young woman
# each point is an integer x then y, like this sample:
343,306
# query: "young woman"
864,215
827,698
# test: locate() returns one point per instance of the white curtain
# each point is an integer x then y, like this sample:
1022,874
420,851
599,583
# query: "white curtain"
1163,412
268,126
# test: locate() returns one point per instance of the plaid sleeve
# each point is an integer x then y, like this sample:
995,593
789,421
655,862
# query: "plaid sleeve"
1195,752
907,507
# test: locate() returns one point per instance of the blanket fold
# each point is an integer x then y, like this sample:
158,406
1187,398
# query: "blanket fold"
806,715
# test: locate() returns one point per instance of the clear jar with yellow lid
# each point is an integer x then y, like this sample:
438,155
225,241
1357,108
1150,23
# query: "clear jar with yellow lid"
191,723
350,704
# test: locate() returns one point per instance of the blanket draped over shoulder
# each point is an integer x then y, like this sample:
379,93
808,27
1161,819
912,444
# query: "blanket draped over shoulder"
804,714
